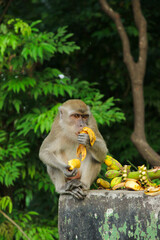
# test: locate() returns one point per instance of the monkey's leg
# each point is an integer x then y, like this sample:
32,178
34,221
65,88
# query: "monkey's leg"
58,179
89,171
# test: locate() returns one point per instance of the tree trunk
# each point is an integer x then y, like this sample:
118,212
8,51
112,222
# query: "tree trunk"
136,73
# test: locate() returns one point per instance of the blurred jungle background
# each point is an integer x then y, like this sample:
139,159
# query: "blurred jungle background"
51,51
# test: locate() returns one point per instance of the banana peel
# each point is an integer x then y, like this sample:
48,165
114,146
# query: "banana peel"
91,134
131,184
81,150
152,191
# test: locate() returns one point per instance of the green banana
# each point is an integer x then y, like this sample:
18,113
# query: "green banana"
115,181
103,183
144,178
112,173
112,163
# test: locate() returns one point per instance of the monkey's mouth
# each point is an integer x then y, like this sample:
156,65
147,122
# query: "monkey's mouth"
77,133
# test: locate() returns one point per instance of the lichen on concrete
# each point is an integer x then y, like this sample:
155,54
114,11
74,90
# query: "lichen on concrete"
110,215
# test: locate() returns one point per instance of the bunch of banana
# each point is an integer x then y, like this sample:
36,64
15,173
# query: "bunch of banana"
125,171
144,178
131,184
112,163
123,178
102,183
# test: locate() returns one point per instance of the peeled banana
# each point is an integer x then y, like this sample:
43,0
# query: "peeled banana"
74,163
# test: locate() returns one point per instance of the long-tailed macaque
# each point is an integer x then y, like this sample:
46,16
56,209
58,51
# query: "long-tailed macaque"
61,145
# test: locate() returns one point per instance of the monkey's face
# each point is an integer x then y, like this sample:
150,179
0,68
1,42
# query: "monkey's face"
78,121
74,116
73,123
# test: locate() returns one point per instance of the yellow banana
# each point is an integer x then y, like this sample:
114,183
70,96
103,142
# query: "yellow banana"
81,150
116,181
74,163
91,134
103,183
112,163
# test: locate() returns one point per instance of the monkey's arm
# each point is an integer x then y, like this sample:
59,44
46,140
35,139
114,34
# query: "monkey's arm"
50,159
98,150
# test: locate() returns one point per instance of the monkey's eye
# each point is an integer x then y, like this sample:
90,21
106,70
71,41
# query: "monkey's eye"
76,115
85,116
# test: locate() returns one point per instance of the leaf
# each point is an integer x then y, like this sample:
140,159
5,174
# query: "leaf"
25,52
17,104
40,52
35,23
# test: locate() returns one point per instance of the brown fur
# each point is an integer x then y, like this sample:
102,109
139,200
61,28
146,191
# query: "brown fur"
61,144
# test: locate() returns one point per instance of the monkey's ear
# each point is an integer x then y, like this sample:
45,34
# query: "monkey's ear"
60,111
89,109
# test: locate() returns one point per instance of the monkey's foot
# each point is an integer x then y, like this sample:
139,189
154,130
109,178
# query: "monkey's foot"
74,183
78,193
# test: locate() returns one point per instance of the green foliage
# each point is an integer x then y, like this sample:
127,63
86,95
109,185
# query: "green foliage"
30,95
31,92
6,230
106,112
6,202
30,44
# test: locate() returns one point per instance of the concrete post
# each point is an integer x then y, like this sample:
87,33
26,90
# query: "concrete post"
110,215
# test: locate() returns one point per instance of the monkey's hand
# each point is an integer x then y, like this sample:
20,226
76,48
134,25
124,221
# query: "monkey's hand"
84,139
69,173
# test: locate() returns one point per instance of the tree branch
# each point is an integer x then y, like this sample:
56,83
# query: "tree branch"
14,223
128,59
136,73
143,43
5,10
